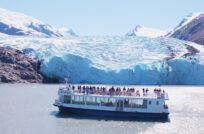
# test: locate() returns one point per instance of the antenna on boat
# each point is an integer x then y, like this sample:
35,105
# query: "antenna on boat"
66,79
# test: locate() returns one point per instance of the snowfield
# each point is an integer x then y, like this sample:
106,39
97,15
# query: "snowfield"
115,59
146,32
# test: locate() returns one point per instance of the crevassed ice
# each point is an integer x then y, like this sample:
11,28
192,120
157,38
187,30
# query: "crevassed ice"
104,52
111,59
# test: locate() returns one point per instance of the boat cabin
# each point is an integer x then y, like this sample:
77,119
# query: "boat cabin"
113,99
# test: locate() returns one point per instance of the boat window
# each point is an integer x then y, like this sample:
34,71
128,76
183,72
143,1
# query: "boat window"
90,100
137,103
104,101
150,102
67,99
78,99
98,100
127,103
144,104
111,102
157,103
107,101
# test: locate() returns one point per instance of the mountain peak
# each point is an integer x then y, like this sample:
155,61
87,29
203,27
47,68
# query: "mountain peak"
189,18
191,28
138,26
14,23
145,32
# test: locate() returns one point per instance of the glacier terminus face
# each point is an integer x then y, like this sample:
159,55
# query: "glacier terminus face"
115,59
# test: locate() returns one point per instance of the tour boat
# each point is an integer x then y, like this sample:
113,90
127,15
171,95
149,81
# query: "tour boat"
112,101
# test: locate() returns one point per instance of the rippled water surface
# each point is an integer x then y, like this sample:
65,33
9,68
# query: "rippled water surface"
28,109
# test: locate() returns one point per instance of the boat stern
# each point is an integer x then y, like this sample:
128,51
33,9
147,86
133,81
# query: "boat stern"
57,103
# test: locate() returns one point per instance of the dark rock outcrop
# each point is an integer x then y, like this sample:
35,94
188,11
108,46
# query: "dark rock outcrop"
191,51
16,67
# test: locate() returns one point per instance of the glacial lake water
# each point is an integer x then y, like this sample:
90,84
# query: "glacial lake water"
28,109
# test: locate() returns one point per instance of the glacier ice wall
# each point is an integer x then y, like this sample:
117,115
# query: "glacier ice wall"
174,72
116,59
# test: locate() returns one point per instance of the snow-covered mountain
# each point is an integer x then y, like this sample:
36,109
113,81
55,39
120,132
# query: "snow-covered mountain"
65,32
191,28
109,59
14,23
146,32
191,17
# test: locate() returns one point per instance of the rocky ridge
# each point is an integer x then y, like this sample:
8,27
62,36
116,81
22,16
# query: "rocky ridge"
16,67
191,29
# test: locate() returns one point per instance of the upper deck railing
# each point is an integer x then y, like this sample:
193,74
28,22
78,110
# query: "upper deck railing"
112,91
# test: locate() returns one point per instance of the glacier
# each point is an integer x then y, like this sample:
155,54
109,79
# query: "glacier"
115,59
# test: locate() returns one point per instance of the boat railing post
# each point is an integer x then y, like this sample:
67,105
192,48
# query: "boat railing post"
71,99
166,96
130,101
85,99
100,101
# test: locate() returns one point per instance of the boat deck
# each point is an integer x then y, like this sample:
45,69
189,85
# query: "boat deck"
114,92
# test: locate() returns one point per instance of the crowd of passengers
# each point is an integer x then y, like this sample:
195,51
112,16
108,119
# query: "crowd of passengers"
158,91
112,90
